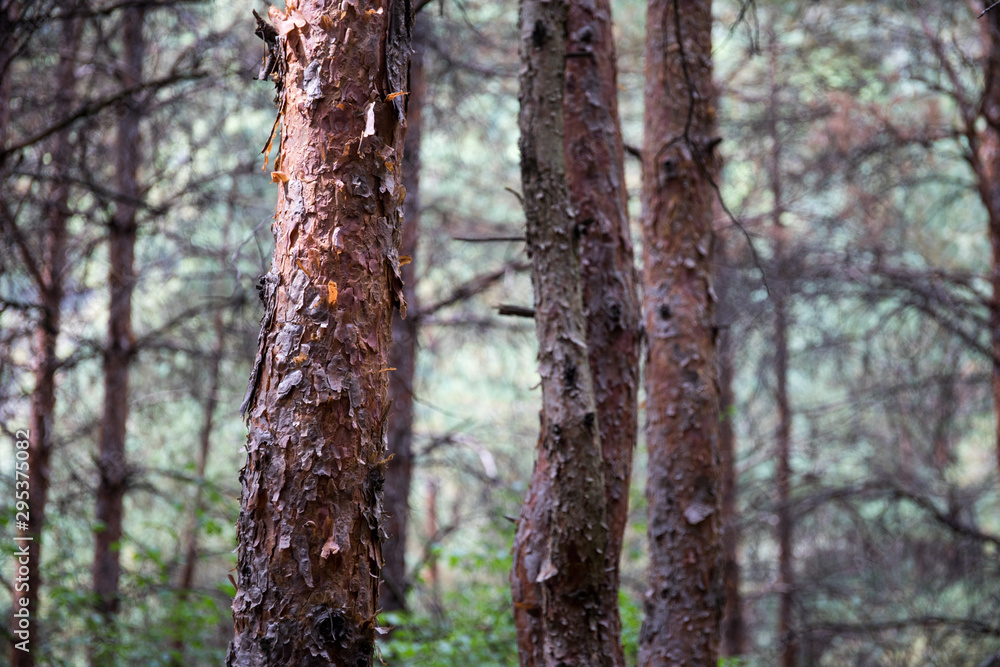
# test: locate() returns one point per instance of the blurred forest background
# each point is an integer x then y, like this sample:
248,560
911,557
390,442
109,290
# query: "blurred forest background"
853,272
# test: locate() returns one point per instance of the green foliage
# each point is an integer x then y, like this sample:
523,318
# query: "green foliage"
472,625
479,630
631,612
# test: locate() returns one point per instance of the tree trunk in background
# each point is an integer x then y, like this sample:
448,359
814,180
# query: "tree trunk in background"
403,355
112,467
596,173
684,601
786,572
559,547
8,18
733,631
46,362
311,524
788,642
190,558
986,163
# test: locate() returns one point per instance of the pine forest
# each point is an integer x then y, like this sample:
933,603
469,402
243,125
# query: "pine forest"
548,333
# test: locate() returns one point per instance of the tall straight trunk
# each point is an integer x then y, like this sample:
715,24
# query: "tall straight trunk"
112,466
559,546
596,173
190,557
403,355
46,335
311,525
986,163
783,473
733,631
8,19
788,642
684,601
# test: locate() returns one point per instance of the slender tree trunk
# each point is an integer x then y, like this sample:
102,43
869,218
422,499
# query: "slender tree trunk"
46,335
684,601
403,356
786,570
789,647
190,562
310,529
431,534
559,547
986,163
8,19
596,173
112,467
733,631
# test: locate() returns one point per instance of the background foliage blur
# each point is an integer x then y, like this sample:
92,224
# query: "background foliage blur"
885,267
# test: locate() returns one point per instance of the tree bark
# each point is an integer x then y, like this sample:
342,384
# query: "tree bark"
596,173
46,335
986,164
403,355
112,467
560,543
311,524
684,601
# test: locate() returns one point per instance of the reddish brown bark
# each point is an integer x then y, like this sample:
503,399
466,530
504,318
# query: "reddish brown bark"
311,524
112,468
596,173
559,547
403,356
46,362
684,601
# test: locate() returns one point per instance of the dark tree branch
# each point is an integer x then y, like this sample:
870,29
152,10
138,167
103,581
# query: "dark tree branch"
515,311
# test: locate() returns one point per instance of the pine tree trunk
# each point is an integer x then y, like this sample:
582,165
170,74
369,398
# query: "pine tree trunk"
46,362
559,547
986,162
403,356
112,466
311,524
596,173
684,601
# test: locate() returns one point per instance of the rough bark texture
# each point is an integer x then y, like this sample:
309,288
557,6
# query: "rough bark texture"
596,173
560,544
311,524
684,601
986,163
403,355
733,631
112,467
46,362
